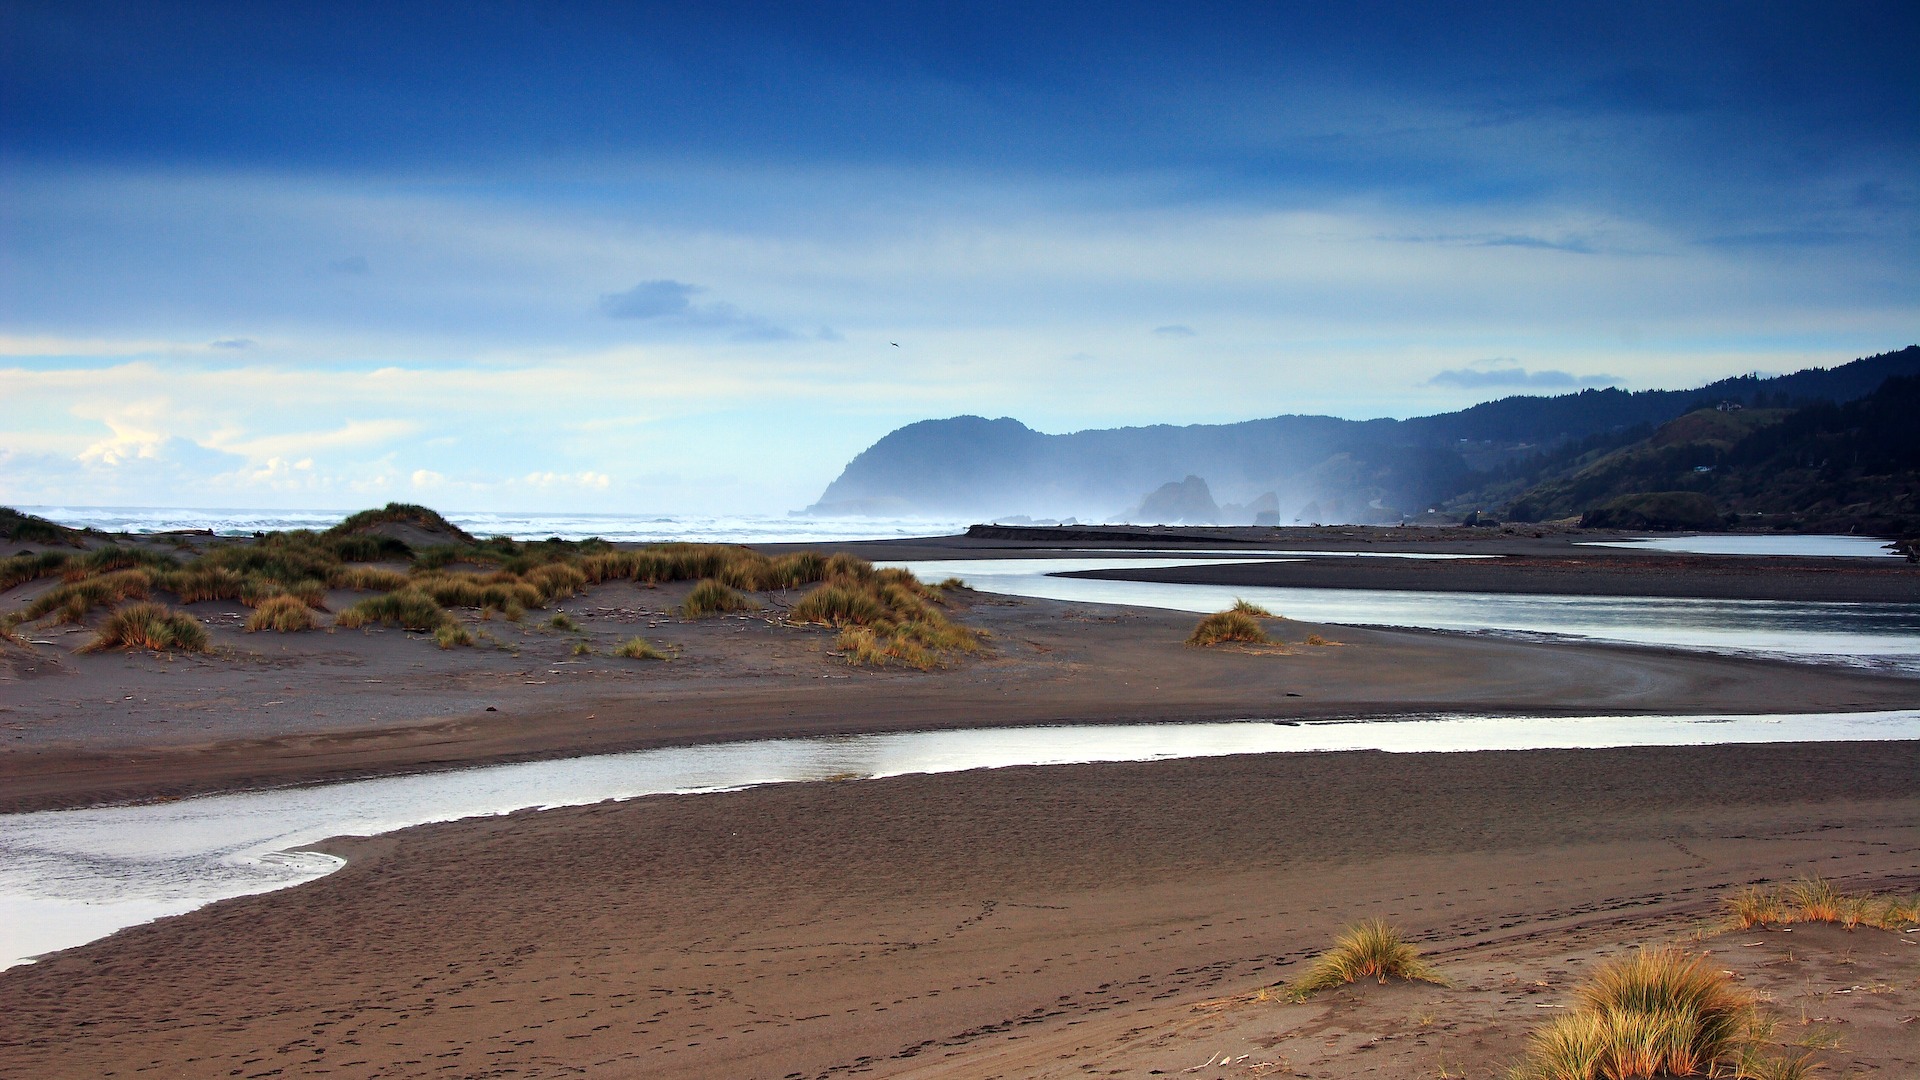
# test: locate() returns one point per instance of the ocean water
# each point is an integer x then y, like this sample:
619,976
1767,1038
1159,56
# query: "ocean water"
635,528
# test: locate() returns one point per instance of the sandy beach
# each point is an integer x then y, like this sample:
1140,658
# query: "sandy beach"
1110,919
1021,922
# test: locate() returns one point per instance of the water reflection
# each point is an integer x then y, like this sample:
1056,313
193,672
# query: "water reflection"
1877,635
1829,547
71,876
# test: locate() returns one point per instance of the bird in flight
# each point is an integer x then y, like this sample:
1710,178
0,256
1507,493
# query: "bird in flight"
895,344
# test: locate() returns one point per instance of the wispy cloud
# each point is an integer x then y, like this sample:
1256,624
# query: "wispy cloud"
1175,330
671,302
1505,373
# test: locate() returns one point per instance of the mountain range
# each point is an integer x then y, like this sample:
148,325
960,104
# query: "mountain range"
1524,457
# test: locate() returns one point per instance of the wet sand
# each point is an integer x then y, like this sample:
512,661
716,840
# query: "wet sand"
272,709
1019,922
1022,922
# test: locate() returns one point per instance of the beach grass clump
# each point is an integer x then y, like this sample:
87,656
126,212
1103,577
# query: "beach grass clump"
738,568
711,597
1232,625
492,590
864,646
1754,907
203,581
562,621
1655,1012
451,633
367,579
1247,607
554,580
282,614
17,570
408,609
1368,949
150,626
72,601
639,648
108,559
1813,899
884,616
840,605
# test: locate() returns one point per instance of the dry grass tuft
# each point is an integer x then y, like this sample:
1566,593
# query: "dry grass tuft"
1753,906
562,621
884,617
367,579
1367,949
407,608
1245,607
150,626
108,559
17,570
1231,625
73,600
495,575
712,597
1813,899
639,648
282,614
1656,1012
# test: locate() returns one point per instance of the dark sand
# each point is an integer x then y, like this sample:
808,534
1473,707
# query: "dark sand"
1028,922
268,709
1021,922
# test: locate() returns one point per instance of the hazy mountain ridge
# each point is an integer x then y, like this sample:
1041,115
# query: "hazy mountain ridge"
1318,467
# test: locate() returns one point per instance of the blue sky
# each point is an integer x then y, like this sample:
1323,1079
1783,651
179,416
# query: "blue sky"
634,258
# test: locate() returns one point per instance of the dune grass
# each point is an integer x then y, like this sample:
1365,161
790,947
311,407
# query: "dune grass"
1813,899
283,614
32,529
495,575
366,579
150,626
884,617
639,648
1367,949
407,608
1655,1012
712,597
17,570
72,601
1232,625
400,514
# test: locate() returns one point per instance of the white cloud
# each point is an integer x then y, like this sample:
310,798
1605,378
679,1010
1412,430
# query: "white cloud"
473,353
